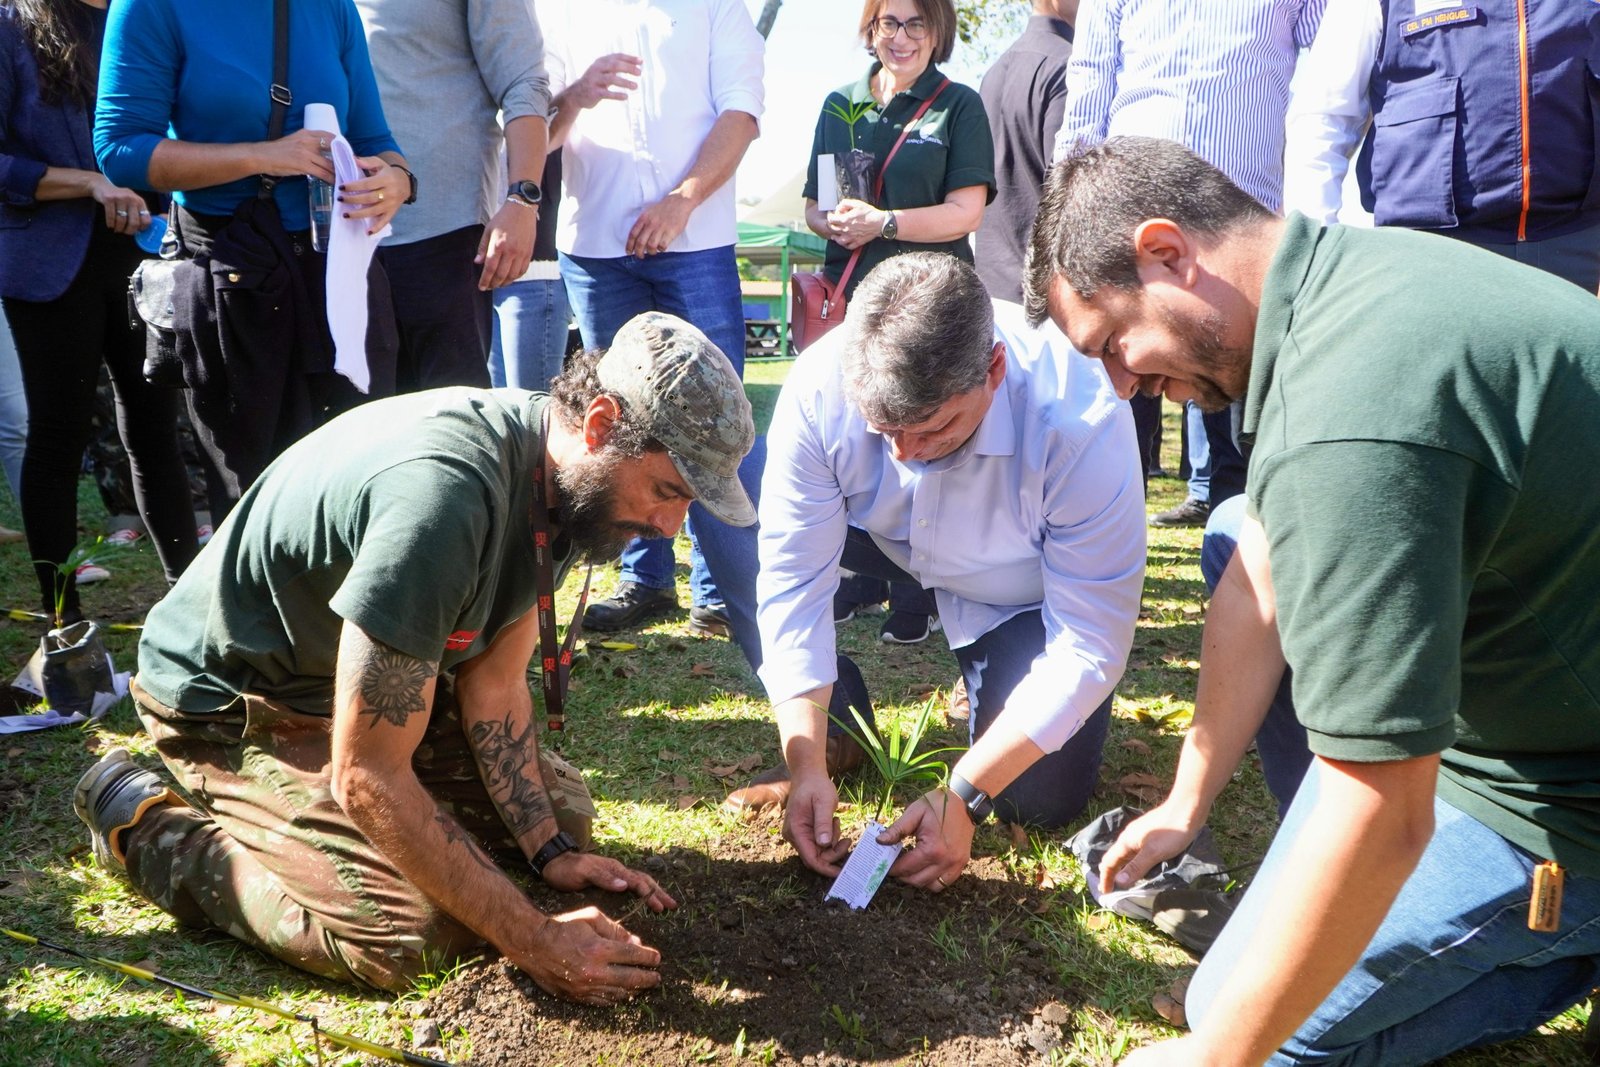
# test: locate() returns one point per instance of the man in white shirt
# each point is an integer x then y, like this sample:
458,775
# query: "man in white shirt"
655,104
935,436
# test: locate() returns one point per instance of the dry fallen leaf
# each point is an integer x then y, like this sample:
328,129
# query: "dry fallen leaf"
1140,781
1133,744
13,753
1098,921
750,762
667,754
680,782
1019,836
703,670
624,670
1170,1005
922,689
1044,879
687,801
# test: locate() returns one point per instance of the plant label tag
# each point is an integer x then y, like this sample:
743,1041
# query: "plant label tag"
866,868
827,182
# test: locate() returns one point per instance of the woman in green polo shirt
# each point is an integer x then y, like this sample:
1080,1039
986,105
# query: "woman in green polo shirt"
935,189
930,197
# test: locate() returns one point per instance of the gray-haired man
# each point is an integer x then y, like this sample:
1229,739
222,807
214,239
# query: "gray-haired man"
339,679
936,437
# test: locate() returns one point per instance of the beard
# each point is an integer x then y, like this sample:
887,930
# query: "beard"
1215,360
588,507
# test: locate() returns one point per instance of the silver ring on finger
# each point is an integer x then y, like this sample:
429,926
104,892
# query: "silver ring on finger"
144,211
122,214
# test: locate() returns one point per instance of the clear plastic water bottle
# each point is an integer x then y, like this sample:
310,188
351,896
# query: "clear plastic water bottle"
321,117
150,237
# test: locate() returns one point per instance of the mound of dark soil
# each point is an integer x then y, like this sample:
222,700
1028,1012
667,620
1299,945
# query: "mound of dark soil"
754,951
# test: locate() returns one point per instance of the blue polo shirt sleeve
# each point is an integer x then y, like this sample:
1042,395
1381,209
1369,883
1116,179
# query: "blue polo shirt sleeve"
138,88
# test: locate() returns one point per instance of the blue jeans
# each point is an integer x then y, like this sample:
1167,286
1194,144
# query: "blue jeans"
13,412
700,287
530,334
1049,794
1281,742
1452,966
1199,453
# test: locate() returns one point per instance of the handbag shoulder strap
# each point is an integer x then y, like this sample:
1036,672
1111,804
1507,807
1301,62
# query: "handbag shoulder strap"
281,96
877,186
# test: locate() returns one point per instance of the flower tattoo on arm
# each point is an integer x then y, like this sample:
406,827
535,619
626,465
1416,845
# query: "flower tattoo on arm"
391,685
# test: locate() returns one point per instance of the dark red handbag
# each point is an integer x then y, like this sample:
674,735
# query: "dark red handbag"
817,305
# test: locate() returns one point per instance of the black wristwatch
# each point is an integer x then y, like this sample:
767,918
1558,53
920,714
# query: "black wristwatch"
891,228
412,178
525,192
558,845
979,806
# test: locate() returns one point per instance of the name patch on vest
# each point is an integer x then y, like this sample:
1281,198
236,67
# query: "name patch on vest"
1454,16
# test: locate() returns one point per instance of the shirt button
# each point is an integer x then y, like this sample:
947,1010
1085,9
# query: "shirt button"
922,522
921,555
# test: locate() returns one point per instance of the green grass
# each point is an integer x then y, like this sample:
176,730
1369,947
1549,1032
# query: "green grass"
648,726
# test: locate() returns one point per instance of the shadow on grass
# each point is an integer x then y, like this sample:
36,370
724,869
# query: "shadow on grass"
54,1037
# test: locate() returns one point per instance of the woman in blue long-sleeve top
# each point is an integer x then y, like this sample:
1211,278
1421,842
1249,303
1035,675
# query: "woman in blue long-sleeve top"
66,250
184,107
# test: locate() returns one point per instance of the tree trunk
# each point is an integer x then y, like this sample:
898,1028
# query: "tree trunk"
769,13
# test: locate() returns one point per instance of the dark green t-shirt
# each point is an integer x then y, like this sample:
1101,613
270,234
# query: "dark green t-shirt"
1425,419
409,517
950,148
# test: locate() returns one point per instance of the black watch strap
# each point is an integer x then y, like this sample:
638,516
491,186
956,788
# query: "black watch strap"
411,178
558,845
526,192
977,802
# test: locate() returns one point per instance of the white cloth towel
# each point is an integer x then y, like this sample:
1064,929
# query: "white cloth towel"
350,250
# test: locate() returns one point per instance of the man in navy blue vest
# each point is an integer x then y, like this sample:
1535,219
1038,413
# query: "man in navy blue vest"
1464,142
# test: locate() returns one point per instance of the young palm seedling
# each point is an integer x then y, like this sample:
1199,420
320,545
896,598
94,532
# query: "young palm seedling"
897,758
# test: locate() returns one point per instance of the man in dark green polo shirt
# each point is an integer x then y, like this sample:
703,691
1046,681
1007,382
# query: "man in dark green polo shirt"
1422,550
339,681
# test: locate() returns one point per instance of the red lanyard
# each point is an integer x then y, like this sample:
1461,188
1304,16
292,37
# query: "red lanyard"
555,659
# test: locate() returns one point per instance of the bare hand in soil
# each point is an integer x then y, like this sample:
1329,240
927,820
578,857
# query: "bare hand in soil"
1157,835
572,872
943,831
585,956
810,825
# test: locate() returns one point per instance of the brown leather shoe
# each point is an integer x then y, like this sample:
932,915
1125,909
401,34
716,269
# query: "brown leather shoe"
960,708
766,790
771,788
843,755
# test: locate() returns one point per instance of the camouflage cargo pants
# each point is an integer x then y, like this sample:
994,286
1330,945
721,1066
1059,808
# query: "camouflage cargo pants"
268,856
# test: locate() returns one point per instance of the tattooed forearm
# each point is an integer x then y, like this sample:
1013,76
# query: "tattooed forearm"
509,763
391,685
455,834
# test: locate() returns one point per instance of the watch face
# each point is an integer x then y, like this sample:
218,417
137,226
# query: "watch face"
528,191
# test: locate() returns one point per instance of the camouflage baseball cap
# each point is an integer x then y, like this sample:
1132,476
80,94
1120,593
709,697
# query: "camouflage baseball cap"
691,400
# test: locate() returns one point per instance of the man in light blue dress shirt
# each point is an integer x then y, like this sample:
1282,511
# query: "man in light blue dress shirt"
936,437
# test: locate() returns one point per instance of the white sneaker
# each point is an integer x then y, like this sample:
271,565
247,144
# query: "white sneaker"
90,573
124,537
203,534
